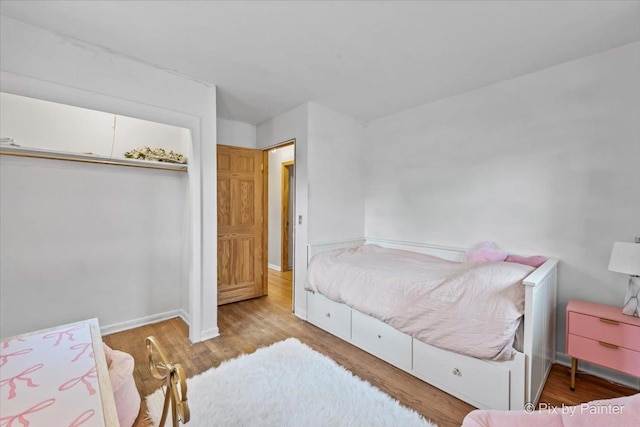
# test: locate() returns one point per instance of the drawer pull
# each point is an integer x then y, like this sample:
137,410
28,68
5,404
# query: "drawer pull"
456,372
609,321
606,344
328,315
379,336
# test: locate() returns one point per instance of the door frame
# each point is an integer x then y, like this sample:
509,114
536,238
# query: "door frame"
285,193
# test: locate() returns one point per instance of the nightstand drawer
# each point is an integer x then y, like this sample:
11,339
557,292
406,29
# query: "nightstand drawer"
604,353
603,329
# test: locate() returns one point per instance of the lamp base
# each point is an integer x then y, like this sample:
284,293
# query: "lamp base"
632,299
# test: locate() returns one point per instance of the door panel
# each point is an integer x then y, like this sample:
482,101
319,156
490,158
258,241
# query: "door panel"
224,202
246,207
241,266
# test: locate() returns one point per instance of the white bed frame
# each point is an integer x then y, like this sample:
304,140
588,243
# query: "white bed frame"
482,383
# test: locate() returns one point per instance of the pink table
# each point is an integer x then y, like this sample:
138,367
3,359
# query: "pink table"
56,377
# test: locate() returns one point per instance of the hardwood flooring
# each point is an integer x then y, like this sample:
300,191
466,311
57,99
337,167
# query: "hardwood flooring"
248,325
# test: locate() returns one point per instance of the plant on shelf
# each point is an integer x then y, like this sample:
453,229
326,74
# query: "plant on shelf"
157,154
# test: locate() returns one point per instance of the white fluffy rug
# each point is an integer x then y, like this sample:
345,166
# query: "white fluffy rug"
286,384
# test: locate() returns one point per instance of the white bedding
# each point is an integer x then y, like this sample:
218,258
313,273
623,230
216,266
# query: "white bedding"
468,308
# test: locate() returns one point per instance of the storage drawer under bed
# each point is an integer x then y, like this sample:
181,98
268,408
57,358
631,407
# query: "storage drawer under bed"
381,340
329,315
482,383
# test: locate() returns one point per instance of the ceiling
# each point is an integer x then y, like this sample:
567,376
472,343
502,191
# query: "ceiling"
364,59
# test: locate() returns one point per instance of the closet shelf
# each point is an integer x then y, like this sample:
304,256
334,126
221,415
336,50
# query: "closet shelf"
88,158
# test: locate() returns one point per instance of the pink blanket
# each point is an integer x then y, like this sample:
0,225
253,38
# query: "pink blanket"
468,308
618,412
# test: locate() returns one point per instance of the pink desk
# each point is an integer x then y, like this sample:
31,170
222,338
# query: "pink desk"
56,377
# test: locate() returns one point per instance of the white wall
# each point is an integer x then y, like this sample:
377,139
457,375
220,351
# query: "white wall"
329,179
542,164
284,154
47,66
336,176
235,133
60,127
293,124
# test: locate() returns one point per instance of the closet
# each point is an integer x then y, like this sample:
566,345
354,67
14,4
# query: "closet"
84,231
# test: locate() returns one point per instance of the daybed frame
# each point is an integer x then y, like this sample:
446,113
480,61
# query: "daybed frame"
482,383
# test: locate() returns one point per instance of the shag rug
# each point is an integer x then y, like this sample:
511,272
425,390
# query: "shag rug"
286,384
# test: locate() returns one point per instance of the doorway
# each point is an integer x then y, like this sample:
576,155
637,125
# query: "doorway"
286,227
256,226
280,224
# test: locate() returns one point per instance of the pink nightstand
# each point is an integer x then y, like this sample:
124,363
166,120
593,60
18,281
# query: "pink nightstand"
601,334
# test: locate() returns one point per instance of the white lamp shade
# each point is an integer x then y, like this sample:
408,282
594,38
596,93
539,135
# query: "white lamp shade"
625,258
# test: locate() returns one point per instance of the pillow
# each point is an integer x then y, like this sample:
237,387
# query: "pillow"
487,252
533,261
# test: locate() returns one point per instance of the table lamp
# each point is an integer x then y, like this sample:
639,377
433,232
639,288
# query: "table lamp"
625,258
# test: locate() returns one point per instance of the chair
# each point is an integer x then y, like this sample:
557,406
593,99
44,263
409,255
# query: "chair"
174,380
125,393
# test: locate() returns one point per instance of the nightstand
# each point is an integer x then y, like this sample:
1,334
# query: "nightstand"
601,334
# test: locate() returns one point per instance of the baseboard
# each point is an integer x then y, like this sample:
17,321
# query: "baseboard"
155,318
185,317
209,333
141,321
601,372
274,267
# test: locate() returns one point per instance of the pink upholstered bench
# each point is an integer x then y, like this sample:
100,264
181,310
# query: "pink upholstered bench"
619,412
124,388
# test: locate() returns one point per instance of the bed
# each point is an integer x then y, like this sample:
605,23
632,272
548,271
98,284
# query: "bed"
517,373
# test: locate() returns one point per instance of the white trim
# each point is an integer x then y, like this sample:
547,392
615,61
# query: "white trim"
447,252
274,267
141,321
600,371
185,317
405,244
209,333
314,248
41,153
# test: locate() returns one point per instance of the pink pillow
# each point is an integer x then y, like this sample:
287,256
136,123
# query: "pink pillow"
533,261
487,252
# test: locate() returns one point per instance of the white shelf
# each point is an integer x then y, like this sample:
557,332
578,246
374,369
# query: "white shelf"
10,150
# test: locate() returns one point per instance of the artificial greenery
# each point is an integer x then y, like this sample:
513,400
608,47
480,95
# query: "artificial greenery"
155,154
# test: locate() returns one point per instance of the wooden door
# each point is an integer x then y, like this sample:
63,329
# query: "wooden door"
241,259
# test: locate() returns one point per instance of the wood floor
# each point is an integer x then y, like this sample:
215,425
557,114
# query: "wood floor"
248,325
